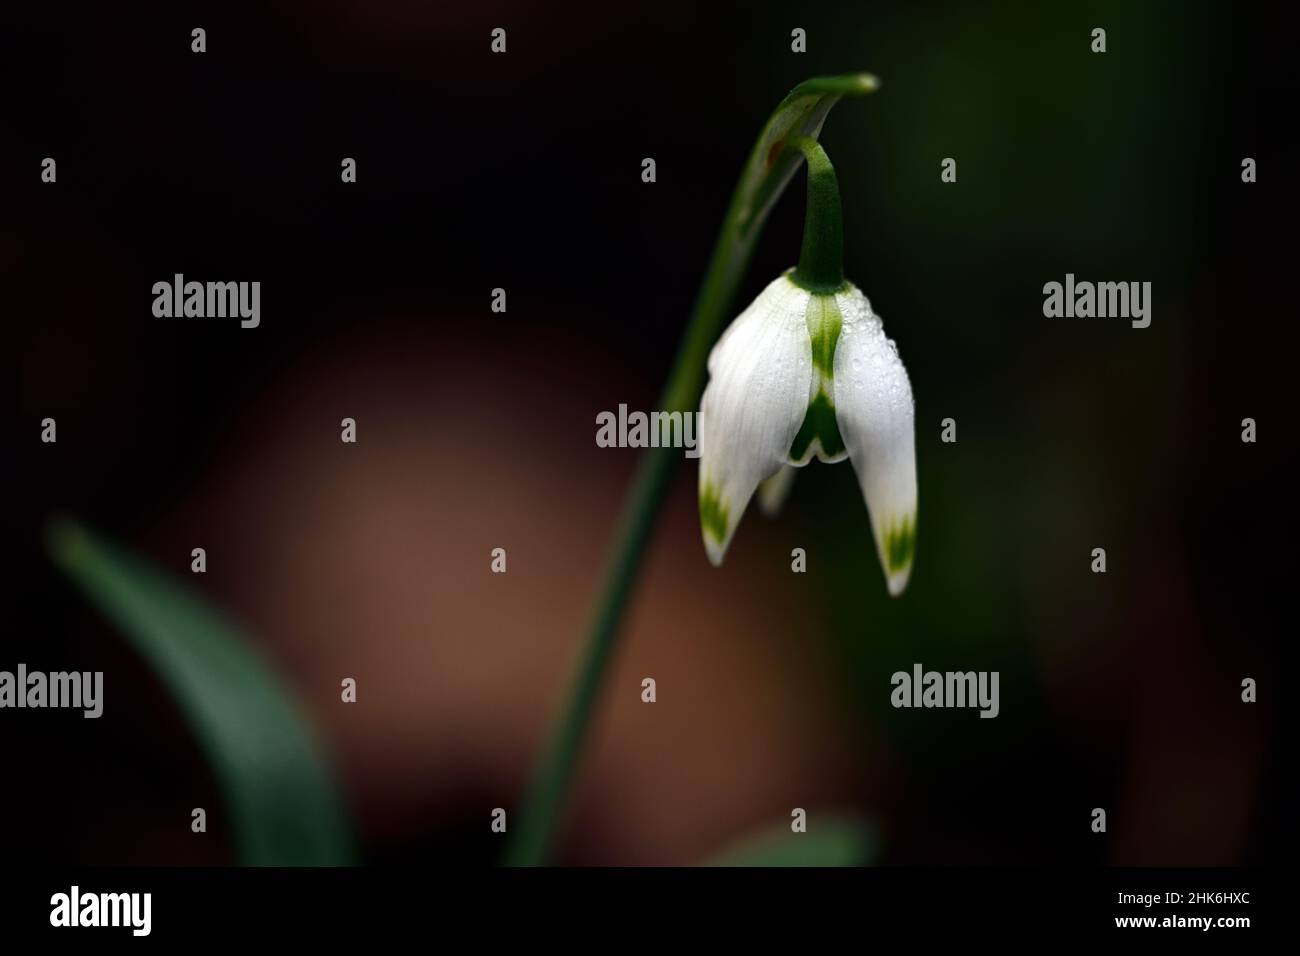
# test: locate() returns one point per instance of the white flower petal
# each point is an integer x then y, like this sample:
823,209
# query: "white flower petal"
875,412
773,491
819,434
759,374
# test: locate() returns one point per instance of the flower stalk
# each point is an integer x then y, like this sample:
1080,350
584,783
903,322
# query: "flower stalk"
821,258
767,172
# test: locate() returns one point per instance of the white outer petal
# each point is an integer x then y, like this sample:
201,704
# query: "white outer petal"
759,375
875,413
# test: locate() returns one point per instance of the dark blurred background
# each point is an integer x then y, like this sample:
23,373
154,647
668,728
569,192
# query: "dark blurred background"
476,430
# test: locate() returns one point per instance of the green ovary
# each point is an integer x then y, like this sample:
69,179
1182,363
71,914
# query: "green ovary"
714,515
900,544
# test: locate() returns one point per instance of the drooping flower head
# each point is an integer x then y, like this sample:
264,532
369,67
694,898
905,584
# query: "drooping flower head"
807,371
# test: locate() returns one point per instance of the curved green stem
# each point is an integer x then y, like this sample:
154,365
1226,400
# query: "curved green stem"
766,174
821,258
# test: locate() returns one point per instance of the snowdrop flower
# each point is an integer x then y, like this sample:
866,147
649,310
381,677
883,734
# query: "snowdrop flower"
807,371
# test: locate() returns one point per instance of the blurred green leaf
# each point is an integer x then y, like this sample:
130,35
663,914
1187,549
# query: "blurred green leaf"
284,805
834,841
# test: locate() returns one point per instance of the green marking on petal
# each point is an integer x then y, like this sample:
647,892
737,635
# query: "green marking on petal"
714,515
900,544
824,322
818,423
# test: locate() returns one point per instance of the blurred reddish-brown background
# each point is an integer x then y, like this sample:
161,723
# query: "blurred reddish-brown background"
477,430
